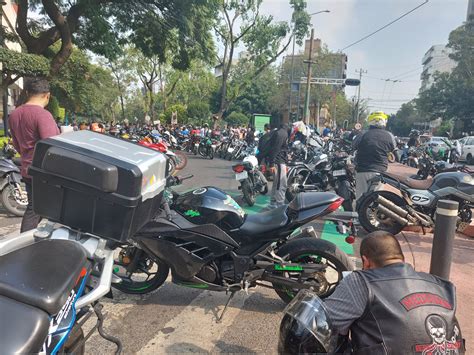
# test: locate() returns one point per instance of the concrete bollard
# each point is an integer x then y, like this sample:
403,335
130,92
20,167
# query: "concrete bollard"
443,239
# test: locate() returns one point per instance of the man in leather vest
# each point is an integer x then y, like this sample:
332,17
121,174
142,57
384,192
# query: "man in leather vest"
389,308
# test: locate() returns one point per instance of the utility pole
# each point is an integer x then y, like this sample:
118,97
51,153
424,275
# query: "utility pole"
361,71
291,79
5,93
308,79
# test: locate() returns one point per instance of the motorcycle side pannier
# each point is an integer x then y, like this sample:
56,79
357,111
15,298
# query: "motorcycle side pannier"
97,184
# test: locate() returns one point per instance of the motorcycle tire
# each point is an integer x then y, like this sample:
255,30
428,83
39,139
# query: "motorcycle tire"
71,346
9,202
391,158
367,222
307,249
265,190
290,194
172,166
211,153
182,160
201,151
249,194
142,287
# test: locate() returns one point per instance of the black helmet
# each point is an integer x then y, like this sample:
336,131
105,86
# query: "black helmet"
306,327
414,133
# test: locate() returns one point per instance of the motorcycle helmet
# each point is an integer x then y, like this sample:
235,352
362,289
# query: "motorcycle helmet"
414,133
306,327
377,119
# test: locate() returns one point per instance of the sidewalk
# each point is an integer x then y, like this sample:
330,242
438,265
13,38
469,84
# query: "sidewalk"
418,253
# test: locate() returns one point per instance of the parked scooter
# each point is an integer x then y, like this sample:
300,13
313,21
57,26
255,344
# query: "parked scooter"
206,148
13,193
252,181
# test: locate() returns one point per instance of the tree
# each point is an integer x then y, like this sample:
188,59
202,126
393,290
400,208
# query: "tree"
237,119
85,88
121,71
402,122
198,111
102,26
450,97
53,107
240,22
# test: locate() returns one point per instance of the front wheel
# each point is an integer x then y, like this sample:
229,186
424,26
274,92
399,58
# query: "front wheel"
305,251
211,153
249,194
14,200
181,160
147,275
372,219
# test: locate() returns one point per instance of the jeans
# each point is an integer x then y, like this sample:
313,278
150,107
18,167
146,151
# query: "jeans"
30,219
362,183
279,186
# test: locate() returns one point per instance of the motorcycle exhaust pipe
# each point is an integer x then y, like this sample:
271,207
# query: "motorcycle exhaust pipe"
395,209
392,215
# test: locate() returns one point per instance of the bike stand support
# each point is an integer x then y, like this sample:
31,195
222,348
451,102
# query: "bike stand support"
219,319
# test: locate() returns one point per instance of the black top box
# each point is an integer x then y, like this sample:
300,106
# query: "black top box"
97,184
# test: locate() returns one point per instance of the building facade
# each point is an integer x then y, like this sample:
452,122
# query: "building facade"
470,9
436,59
8,22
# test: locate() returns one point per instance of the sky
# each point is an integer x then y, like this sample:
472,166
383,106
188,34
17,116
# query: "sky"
394,53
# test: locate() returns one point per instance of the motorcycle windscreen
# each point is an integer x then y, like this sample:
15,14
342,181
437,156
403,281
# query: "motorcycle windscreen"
311,313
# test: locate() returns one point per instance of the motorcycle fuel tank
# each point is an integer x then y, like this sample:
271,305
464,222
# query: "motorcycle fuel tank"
210,205
458,180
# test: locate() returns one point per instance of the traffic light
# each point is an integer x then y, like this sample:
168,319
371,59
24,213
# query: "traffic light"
344,69
352,82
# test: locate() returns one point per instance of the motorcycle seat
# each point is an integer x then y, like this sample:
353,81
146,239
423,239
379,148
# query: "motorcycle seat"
42,274
260,223
24,328
412,183
307,200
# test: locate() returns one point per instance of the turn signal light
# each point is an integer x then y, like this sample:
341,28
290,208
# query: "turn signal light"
238,168
350,239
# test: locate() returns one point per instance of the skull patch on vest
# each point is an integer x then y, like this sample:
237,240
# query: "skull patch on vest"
436,327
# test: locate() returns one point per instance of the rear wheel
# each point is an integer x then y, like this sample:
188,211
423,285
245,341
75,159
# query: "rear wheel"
181,160
470,159
147,276
14,201
313,251
249,194
211,153
391,158
372,219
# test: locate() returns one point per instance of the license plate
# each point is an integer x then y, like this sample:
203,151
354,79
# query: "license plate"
196,144
241,176
213,146
341,172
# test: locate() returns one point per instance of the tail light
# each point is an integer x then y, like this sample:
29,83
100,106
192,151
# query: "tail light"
238,168
350,239
335,205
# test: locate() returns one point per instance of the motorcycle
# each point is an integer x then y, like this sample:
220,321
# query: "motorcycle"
51,282
325,173
252,181
13,193
416,204
208,242
177,160
206,148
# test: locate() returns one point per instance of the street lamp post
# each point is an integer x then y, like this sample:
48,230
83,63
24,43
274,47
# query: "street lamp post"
292,66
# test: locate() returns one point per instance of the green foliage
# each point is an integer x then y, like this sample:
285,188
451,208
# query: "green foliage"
402,123
85,88
53,107
237,119
181,112
23,64
198,111
444,128
450,97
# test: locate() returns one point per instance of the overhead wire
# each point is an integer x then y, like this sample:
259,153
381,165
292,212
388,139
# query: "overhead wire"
384,27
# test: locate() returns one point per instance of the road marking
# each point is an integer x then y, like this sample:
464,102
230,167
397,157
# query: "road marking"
195,329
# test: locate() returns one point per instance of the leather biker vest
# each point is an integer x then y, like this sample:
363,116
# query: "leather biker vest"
408,312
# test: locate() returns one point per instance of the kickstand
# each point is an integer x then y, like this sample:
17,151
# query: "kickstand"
100,321
219,319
